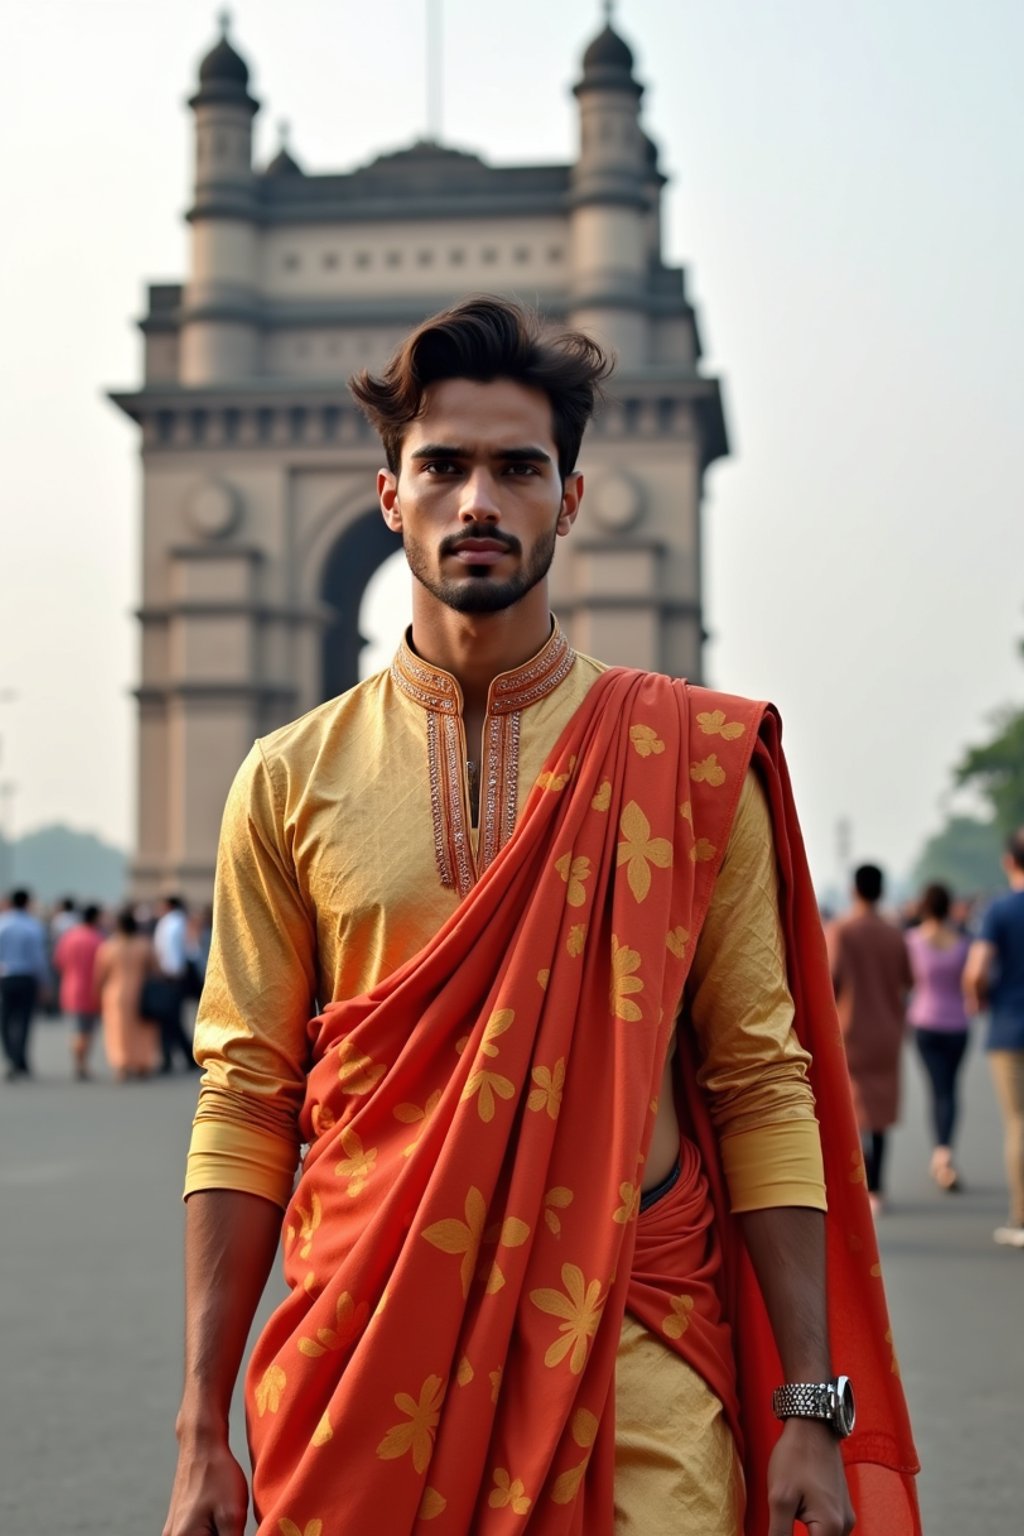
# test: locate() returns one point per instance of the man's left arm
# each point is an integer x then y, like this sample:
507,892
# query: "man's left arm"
806,1480
754,1074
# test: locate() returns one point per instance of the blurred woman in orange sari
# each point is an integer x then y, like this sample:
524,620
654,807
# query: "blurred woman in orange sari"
122,966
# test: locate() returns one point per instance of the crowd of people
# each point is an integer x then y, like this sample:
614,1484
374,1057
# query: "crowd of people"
130,974
934,972
127,974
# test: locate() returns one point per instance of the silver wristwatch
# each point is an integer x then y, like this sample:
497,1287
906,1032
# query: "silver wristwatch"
830,1401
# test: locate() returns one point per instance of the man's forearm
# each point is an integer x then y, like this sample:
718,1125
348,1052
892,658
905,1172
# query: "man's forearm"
230,1241
787,1249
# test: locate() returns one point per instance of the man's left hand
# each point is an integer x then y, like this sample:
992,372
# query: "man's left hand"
806,1481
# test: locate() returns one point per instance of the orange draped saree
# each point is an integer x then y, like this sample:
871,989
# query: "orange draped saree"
462,1243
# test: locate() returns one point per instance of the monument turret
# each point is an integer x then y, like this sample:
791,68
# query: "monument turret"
220,337
612,193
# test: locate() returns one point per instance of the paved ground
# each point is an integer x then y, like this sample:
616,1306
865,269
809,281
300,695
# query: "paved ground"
90,1304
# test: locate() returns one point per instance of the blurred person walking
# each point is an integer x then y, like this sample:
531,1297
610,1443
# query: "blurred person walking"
24,980
74,959
938,954
171,942
124,962
994,978
872,977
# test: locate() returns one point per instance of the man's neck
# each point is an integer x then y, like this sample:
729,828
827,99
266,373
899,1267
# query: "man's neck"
478,647
864,908
1016,879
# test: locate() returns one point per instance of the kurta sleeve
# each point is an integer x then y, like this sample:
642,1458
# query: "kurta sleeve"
258,995
753,1068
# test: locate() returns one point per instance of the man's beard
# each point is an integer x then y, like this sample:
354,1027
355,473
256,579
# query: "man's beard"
483,593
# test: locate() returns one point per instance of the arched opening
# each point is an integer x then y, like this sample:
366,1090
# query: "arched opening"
359,553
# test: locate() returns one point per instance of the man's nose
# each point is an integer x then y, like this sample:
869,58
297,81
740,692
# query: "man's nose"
479,499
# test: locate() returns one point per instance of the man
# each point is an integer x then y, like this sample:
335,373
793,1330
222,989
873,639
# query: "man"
994,977
74,959
493,863
170,940
24,979
872,977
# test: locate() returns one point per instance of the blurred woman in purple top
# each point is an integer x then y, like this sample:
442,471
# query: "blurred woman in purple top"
938,953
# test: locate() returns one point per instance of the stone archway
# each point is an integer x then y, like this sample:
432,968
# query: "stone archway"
356,554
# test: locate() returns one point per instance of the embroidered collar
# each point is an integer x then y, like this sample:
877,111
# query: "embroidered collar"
509,692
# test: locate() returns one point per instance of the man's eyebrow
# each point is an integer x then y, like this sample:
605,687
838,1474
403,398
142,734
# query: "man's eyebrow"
530,454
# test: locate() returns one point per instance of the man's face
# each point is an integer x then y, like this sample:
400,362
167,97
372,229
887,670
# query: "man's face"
478,499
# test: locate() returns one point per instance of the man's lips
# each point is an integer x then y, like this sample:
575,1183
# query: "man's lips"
480,551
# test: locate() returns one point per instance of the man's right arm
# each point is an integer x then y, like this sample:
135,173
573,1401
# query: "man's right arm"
230,1242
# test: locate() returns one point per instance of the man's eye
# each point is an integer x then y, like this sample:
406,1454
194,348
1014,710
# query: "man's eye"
522,469
440,467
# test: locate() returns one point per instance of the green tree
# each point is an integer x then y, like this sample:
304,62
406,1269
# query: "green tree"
964,855
996,769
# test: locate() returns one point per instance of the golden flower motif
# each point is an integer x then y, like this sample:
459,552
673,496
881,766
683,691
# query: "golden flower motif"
639,850
497,1024
411,1114
574,871
323,1432
508,1493
576,940
857,1173
465,1373
646,740
686,811
676,940
629,1194
579,1306
713,723
356,1072
494,1377
557,1199
309,1221
349,1322
543,977
554,781
417,1436
603,799
678,1320
323,1118
624,962
548,1091
358,1163
708,771
268,1393
289,1528
511,1234
461,1237
702,851
487,1083
584,1432
432,1504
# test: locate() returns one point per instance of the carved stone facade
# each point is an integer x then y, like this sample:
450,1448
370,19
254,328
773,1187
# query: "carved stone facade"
260,527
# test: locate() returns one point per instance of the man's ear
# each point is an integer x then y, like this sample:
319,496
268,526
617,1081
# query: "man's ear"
387,495
572,495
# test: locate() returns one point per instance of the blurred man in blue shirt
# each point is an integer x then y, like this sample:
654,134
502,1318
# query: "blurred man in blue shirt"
24,977
994,978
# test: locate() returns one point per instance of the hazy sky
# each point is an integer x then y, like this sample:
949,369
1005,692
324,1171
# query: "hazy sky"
848,197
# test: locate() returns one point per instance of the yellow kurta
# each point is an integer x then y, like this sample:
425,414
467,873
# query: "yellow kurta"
339,832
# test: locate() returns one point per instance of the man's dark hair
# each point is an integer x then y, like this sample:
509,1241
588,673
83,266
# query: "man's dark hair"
935,902
91,915
868,882
487,338
1015,847
20,899
175,902
68,904
126,922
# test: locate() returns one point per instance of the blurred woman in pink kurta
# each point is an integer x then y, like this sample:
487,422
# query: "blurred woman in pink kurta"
122,965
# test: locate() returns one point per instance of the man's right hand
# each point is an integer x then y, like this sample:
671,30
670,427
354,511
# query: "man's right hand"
210,1495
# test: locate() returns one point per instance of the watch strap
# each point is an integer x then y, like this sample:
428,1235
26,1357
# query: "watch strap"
804,1400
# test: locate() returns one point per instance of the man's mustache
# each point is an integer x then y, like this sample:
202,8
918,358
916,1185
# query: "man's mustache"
454,542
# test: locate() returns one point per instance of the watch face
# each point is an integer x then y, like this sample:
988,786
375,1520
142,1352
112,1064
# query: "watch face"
845,1412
